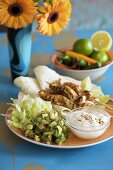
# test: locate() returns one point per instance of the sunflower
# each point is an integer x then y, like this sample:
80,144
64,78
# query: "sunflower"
54,17
17,13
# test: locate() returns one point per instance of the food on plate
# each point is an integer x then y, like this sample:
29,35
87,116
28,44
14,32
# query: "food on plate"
57,99
62,110
44,75
37,119
25,83
73,96
44,103
88,123
63,91
101,40
86,84
87,53
75,87
95,90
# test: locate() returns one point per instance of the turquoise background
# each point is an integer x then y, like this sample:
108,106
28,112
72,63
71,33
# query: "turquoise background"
16,154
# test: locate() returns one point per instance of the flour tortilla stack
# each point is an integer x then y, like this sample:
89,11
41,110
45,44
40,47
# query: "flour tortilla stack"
21,95
31,86
28,85
65,79
45,75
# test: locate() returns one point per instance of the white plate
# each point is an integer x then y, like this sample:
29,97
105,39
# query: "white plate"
73,141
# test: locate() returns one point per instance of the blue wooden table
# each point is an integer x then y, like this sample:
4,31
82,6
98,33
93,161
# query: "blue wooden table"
16,154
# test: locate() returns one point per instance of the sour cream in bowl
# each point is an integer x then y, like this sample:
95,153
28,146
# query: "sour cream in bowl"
88,123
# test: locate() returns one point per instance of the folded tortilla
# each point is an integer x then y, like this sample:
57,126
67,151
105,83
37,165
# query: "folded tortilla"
21,95
45,75
65,79
28,85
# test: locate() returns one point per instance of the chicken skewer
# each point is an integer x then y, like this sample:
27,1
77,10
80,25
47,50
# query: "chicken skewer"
63,89
70,95
57,99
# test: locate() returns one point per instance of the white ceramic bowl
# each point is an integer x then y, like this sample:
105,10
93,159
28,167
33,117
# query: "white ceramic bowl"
87,132
80,74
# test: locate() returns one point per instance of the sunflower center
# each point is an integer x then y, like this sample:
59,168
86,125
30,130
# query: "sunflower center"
53,17
15,9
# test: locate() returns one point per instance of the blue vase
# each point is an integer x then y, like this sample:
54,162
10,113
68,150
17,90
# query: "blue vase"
20,42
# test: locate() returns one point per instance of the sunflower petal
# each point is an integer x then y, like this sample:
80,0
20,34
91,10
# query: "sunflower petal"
12,20
63,9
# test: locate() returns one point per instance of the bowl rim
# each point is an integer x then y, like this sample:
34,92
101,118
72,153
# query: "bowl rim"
87,129
95,130
53,56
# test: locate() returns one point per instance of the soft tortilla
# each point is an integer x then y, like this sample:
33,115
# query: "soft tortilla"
21,96
45,75
28,85
65,79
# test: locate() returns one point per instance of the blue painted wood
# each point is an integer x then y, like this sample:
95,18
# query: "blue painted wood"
20,42
21,155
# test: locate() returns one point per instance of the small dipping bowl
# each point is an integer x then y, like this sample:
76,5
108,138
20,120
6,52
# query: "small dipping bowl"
87,129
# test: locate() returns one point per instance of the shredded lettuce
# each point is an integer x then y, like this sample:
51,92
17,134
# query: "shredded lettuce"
38,120
95,90
27,109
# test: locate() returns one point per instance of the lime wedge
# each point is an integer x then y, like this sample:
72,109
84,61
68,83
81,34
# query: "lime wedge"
104,99
86,84
96,91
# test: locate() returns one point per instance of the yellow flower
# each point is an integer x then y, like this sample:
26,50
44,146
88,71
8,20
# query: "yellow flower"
17,13
54,17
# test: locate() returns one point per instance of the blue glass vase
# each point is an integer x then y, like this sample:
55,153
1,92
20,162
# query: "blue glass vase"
20,42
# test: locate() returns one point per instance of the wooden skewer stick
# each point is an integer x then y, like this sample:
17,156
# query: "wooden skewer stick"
5,115
1,114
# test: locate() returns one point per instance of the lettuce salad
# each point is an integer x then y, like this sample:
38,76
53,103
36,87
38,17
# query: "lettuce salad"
38,120
95,90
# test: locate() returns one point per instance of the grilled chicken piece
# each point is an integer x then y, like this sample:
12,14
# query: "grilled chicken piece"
57,82
80,101
64,90
75,87
57,99
71,94
88,95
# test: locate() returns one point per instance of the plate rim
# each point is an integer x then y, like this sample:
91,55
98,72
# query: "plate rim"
54,146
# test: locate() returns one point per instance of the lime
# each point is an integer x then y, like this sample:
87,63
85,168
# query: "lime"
86,84
83,46
100,56
82,63
101,41
66,60
104,99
